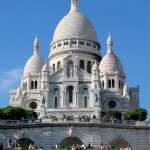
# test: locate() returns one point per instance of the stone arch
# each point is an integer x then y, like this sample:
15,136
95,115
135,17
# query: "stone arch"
75,62
30,136
118,142
70,141
23,143
105,103
32,103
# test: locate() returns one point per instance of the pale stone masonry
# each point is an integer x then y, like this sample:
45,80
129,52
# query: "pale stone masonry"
76,83
48,134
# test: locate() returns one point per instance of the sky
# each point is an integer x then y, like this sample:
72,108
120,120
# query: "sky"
128,21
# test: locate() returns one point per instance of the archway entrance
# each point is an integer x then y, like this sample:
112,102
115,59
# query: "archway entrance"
70,141
23,143
119,143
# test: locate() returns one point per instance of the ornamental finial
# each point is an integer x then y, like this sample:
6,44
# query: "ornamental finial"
74,5
74,2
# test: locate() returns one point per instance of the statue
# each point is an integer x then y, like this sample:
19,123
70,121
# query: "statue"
43,99
70,71
96,98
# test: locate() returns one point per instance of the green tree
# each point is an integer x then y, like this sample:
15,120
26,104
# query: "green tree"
138,114
30,114
142,113
16,113
113,114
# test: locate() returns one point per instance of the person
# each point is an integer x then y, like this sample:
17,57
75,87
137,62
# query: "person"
67,147
128,147
15,144
56,146
30,146
73,147
9,144
1,146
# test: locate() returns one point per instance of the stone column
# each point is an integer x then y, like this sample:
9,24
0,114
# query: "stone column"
105,82
77,93
28,83
117,82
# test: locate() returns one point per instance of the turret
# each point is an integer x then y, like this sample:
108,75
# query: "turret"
96,90
95,77
45,84
45,77
125,91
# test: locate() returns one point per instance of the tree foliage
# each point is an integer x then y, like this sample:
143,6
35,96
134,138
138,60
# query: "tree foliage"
16,113
138,114
113,114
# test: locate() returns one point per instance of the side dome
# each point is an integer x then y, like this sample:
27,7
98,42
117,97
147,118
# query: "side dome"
75,24
35,63
110,63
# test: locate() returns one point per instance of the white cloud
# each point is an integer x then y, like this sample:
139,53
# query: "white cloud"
10,78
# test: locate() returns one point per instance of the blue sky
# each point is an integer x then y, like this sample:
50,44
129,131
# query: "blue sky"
128,22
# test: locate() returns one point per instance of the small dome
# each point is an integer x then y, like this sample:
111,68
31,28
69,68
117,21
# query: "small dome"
95,66
34,65
75,24
45,68
110,63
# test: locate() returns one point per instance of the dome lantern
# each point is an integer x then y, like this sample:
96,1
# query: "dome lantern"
74,5
109,43
36,45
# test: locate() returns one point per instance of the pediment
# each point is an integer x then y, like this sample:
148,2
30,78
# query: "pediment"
83,75
56,77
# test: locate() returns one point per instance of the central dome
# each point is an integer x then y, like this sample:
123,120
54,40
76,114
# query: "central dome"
75,24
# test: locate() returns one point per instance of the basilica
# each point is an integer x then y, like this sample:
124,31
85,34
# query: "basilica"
77,81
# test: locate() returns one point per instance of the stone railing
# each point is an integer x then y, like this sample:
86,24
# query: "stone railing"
73,120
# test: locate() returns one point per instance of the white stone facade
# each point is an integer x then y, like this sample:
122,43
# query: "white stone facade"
77,81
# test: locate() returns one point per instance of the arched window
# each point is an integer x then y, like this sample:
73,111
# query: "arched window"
35,84
82,64
58,66
113,83
70,93
109,83
103,84
32,84
85,101
53,68
89,67
119,84
55,102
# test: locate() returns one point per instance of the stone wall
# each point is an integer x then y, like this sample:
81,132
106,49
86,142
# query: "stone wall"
48,134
